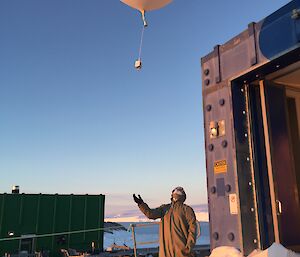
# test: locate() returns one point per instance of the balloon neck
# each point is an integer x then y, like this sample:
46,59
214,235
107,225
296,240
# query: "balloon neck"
144,18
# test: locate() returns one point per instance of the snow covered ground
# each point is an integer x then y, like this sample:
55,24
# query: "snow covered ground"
121,237
275,250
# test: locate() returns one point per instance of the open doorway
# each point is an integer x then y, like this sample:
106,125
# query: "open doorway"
289,79
293,105
275,112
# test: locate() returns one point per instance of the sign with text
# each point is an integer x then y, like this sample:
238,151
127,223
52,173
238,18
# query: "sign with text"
220,166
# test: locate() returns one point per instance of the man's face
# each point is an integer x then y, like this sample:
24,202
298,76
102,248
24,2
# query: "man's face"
178,194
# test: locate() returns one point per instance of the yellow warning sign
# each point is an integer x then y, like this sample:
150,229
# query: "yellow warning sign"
220,166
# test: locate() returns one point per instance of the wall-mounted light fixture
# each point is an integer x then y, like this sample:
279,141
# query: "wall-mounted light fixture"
217,128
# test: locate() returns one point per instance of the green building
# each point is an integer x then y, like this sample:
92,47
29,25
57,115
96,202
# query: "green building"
46,223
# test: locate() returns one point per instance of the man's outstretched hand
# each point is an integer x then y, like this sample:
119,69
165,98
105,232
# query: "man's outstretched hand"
138,199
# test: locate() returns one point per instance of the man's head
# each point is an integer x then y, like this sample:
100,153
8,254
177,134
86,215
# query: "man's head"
178,194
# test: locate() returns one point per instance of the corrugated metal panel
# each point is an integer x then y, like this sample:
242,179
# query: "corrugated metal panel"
38,214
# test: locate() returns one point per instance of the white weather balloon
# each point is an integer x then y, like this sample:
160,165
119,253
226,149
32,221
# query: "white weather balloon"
146,5
143,6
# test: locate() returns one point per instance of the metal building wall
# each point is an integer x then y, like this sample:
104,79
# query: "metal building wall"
38,214
226,72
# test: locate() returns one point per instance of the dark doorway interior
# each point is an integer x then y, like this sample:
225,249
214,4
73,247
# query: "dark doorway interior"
283,117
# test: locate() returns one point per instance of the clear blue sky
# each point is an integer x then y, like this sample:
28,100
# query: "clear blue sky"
77,118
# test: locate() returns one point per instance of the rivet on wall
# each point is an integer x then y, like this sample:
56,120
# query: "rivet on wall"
215,235
206,82
211,147
228,188
208,107
224,143
222,101
231,236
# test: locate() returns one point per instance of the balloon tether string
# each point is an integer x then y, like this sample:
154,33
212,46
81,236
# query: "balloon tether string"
141,43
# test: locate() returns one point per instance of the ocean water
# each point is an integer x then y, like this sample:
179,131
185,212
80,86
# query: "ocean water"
146,236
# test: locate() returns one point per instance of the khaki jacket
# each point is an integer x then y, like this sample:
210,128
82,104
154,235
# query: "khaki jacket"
177,233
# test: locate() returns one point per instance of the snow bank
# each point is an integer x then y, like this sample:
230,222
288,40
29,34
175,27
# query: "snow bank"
225,251
275,250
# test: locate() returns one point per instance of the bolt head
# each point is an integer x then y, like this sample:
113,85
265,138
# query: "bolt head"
208,107
224,143
228,188
207,82
215,236
222,101
230,236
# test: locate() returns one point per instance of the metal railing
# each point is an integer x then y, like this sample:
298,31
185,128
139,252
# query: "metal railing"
147,224
133,230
